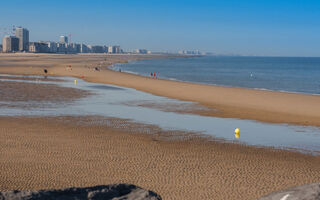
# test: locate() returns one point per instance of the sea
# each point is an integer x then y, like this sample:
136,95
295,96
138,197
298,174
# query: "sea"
289,74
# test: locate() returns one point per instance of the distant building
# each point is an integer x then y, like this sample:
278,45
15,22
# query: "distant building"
64,39
141,51
38,47
70,48
62,48
10,44
114,49
84,48
89,48
23,35
192,52
105,49
97,49
76,48
52,47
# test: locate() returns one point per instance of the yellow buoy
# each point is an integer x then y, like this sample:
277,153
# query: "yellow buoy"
75,82
237,133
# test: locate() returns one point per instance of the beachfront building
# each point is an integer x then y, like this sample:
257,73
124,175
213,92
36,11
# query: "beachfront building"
52,47
76,48
38,47
190,52
62,47
10,44
84,48
141,51
23,35
63,39
97,49
114,49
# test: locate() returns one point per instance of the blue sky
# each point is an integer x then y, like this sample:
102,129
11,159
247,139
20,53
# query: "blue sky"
246,27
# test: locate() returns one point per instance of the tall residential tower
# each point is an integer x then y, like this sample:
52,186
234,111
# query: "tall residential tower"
23,35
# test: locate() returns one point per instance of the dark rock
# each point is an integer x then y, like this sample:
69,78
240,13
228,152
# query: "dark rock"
115,192
304,192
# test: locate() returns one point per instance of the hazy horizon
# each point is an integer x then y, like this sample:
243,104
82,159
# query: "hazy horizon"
264,28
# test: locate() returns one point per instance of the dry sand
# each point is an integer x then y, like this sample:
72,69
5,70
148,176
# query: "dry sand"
38,153
267,106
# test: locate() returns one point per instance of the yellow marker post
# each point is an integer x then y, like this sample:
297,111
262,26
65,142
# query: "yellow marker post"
75,82
237,133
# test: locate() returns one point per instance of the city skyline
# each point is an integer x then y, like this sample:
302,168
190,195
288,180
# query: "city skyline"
267,28
18,41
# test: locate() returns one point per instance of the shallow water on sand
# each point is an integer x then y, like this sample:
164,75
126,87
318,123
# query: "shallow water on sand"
112,101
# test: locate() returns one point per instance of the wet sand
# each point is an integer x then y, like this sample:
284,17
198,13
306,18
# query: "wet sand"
266,106
56,152
38,92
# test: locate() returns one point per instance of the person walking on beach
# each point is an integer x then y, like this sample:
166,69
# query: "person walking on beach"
151,74
154,75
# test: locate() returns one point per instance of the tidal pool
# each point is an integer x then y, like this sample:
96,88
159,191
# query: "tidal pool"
112,101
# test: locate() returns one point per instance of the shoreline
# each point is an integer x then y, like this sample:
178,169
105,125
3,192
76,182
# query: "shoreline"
241,103
217,85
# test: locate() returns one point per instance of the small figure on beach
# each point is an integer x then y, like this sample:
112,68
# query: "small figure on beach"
151,74
154,75
45,71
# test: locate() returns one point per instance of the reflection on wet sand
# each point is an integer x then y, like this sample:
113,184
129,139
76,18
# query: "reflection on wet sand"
113,101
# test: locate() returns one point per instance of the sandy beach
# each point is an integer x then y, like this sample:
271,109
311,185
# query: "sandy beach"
266,106
57,152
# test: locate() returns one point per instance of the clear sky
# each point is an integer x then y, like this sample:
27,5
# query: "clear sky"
246,27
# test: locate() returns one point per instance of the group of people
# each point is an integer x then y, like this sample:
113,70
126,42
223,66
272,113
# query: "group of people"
153,75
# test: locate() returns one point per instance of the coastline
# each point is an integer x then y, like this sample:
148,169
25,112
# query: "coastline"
55,152
228,102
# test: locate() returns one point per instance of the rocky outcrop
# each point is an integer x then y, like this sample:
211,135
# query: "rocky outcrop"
114,192
304,192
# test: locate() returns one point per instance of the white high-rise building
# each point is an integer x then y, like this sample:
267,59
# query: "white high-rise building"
63,39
